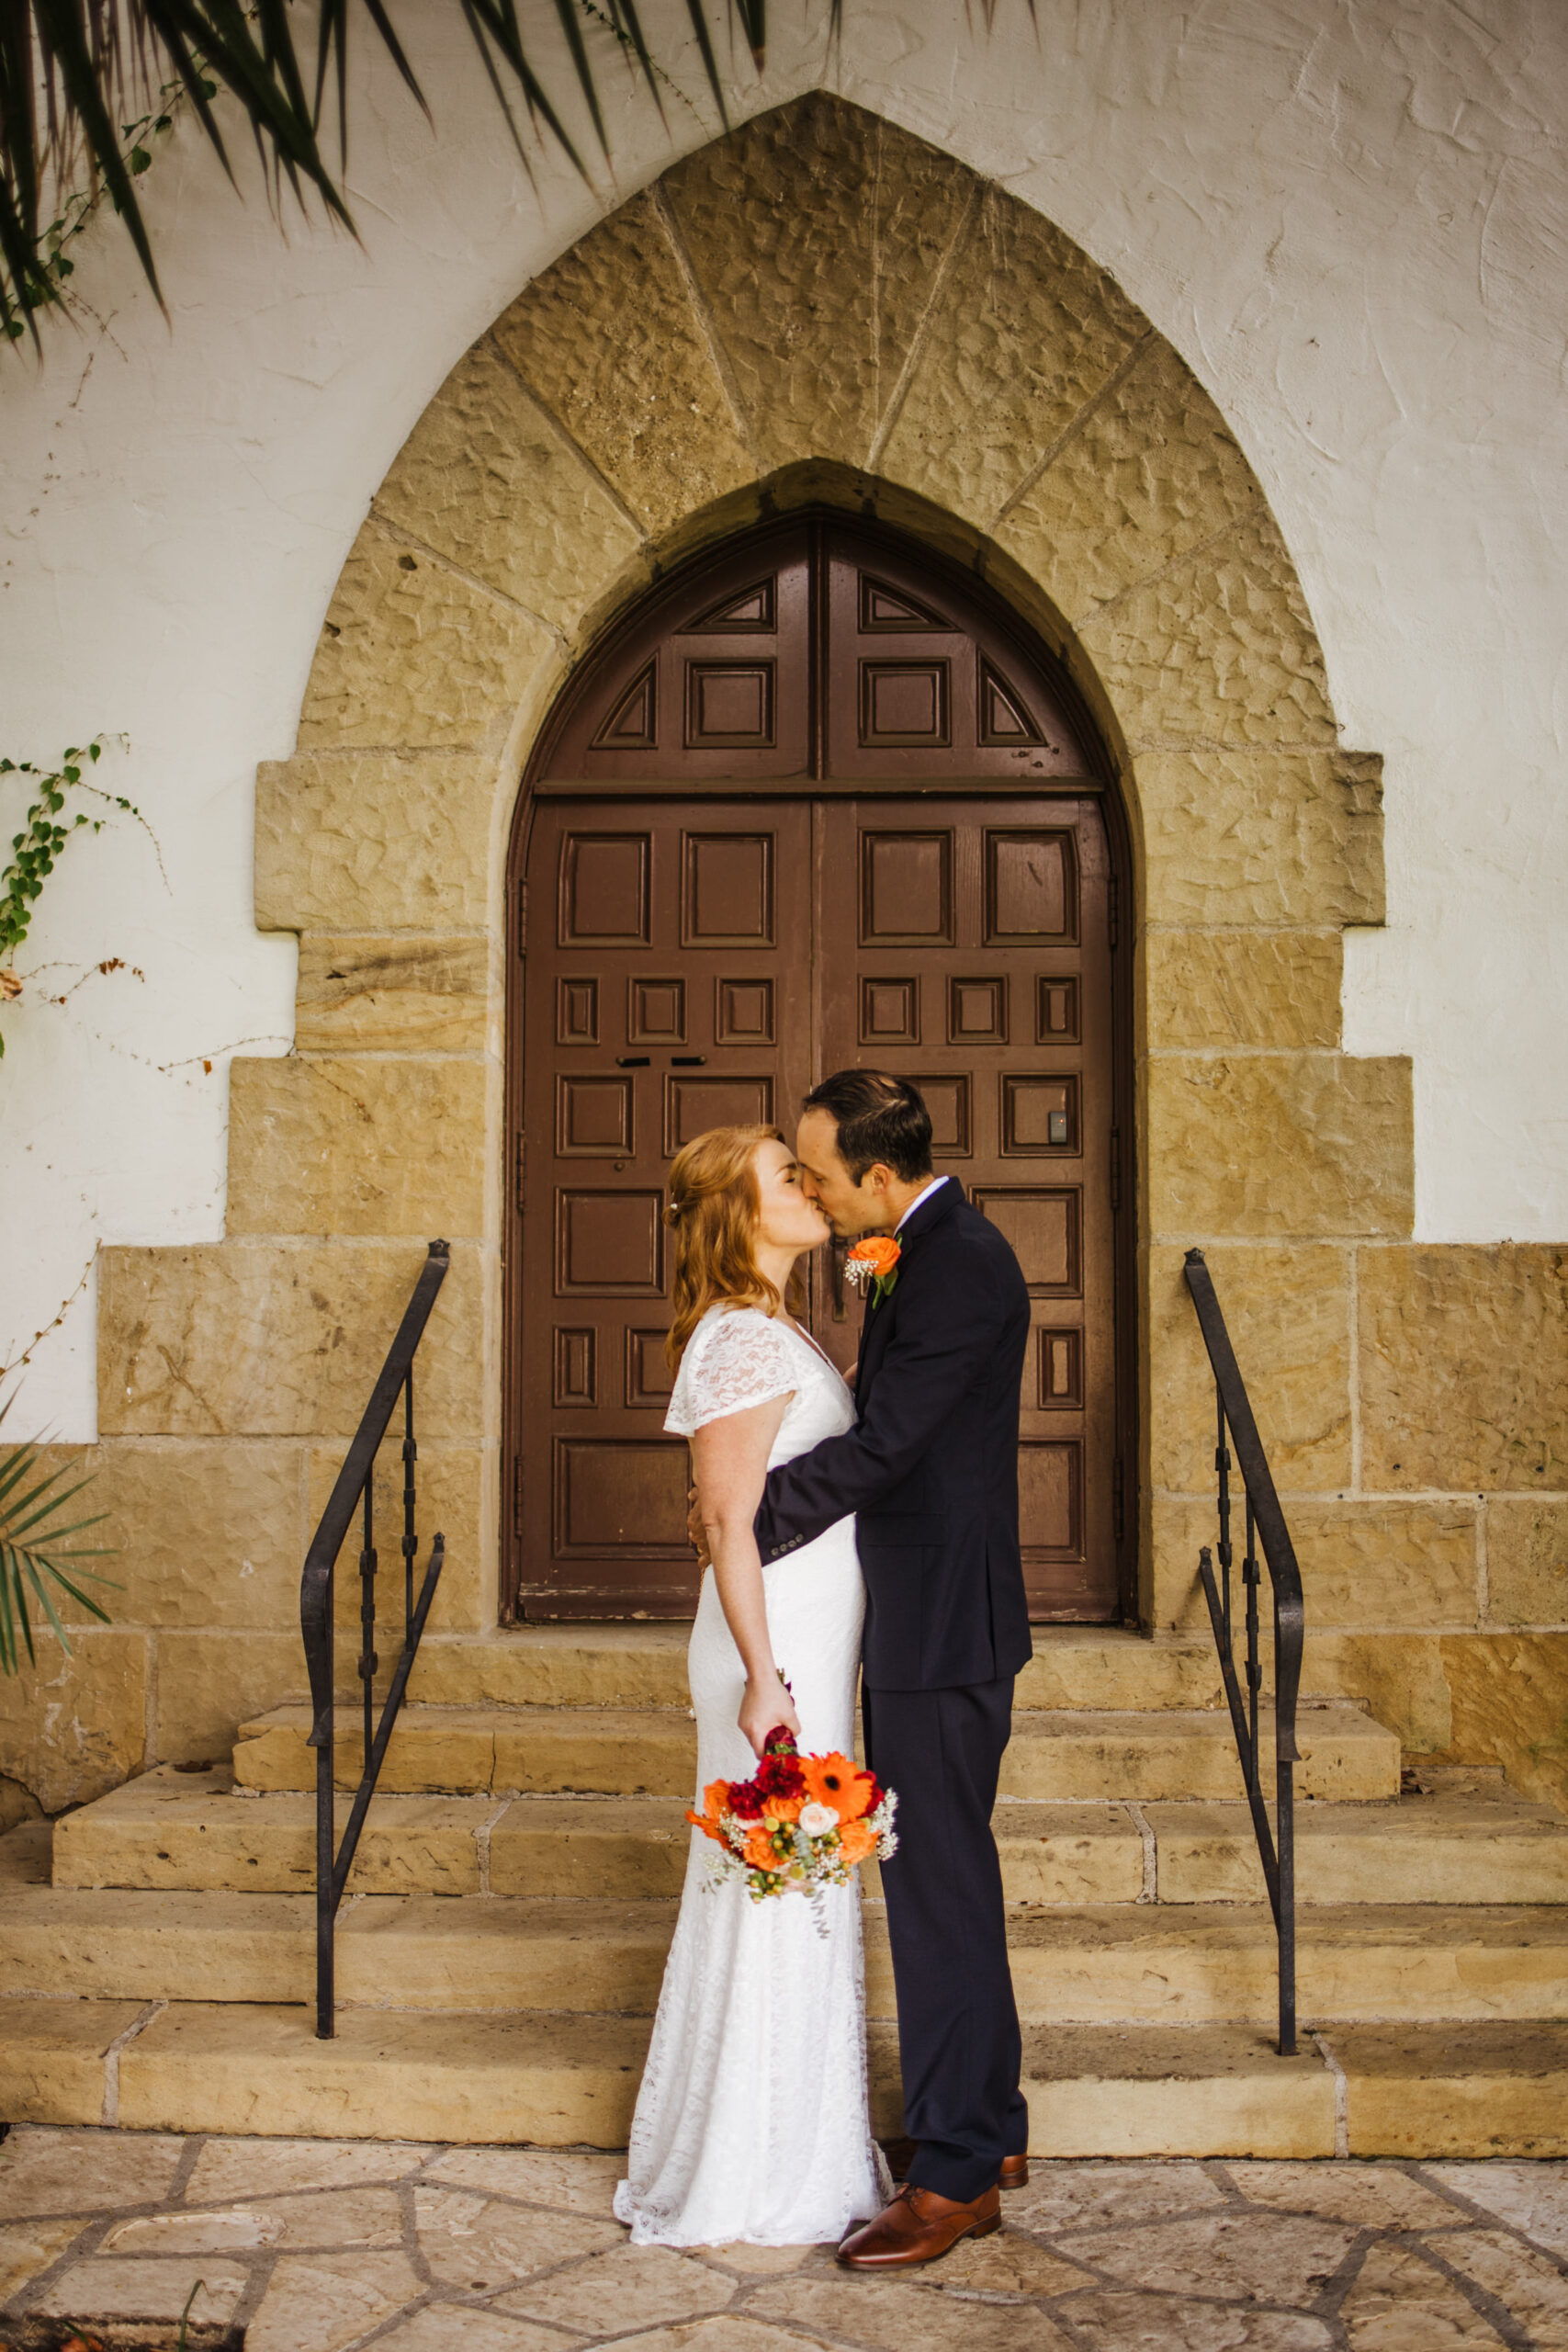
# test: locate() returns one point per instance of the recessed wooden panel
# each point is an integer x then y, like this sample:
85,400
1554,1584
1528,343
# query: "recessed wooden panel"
1039,1115
906,889
619,1498
1058,1371
947,1100
656,1011
648,1377
1050,1498
576,1371
693,1105
594,1115
886,611
750,612
1030,886
632,722
977,1012
743,1013
1057,1018
729,705
904,704
608,1244
1045,1225
1004,718
889,1012
577,1013
604,890
727,894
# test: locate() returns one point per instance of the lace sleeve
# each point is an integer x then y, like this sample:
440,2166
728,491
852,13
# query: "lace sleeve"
737,1360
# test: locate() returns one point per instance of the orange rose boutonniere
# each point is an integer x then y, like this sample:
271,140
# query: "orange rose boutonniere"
873,1263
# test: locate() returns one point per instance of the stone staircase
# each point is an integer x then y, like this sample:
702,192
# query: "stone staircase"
501,1945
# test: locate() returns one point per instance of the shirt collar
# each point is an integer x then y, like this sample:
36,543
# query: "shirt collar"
919,1201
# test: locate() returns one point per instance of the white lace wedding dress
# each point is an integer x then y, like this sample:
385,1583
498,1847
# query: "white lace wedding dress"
752,2121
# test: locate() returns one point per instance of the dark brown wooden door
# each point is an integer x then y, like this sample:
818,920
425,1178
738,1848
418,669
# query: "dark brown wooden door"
812,807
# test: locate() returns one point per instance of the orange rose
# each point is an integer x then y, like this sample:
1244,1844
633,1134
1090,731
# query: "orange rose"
760,1854
880,1252
838,1781
781,1808
857,1841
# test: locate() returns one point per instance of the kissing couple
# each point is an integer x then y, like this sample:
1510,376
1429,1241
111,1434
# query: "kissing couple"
872,1535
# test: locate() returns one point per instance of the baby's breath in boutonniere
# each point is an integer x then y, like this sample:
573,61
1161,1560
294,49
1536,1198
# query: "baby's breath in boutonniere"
873,1263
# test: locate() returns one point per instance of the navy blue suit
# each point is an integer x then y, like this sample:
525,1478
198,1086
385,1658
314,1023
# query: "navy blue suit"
931,1471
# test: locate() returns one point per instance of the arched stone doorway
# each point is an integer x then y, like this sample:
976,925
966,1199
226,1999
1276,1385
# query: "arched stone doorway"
818,800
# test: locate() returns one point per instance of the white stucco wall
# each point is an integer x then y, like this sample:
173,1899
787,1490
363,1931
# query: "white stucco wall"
1350,217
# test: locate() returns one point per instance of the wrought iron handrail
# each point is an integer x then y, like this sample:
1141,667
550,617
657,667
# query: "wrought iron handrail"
353,1491
1265,1523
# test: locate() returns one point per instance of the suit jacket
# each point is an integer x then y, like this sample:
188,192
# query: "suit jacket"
931,1468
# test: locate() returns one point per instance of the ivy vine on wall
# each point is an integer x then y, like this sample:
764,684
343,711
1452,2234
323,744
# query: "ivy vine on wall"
36,850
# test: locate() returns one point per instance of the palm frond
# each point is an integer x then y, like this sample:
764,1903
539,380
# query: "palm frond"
32,1558
81,81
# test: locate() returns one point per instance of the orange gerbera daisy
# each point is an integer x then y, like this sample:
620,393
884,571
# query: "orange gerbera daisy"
857,1841
838,1781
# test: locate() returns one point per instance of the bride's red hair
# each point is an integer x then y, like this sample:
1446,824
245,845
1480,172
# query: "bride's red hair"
714,1206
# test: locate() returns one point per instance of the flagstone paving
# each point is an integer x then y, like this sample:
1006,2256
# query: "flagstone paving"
325,2246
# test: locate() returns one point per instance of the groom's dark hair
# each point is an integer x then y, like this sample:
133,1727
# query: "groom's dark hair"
879,1118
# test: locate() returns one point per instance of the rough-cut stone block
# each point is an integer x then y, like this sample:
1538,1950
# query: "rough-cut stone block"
1456,2090
1288,1144
1087,1666
1509,1694
557,1666
1399,1677
485,480
1276,988
72,1727
209,1531
1220,646
411,654
1288,1312
350,1146
1527,1562
608,339
1418,1850
352,842
1158,2091
1023,334
1148,473
1375,1563
1465,1366
627,1847
815,234
458,1494
52,2058
387,995
1236,836
207,1682
278,1339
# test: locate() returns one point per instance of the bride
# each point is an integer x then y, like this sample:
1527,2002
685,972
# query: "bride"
753,2120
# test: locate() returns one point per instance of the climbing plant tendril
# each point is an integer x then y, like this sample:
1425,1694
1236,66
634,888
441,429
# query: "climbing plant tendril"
36,850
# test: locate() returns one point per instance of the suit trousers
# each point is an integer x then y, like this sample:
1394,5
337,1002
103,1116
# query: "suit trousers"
958,2037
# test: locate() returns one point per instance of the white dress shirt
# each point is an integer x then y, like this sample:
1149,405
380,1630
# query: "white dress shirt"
920,1198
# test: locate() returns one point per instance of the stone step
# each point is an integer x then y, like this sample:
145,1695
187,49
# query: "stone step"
1125,2091
1054,1755
645,1666
1099,1964
1474,1849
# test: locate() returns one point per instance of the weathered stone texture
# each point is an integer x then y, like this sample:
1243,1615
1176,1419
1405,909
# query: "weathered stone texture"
1288,1311
1399,1677
458,1490
1260,837
1220,646
1023,334
1276,989
1510,1707
1150,472
388,995
357,1147
410,655
815,234
485,480
1362,1563
1465,1366
1527,1563
1305,1144
207,1682
277,1340
72,1727
357,843
609,340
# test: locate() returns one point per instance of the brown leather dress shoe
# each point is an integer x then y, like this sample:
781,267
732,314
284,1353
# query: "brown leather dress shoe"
919,2226
900,2155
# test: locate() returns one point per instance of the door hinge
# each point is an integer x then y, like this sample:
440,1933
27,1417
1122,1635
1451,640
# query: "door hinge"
1118,1500
522,918
517,1494
519,1172
1113,906
1115,1168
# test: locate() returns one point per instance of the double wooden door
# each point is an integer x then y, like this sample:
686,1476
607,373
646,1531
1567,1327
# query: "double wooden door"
697,957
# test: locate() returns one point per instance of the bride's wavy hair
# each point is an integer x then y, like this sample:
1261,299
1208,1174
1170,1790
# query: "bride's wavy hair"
714,1206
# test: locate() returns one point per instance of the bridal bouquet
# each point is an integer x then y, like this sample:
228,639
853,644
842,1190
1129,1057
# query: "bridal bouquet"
800,1824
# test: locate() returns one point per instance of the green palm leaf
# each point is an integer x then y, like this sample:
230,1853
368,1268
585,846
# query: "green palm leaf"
33,1564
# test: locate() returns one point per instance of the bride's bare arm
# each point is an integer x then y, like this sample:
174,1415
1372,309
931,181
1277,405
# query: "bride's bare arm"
729,1457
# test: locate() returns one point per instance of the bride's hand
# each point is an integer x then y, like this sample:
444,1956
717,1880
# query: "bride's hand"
766,1706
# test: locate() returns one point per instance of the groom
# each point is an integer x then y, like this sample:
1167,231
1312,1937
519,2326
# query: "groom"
932,1470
